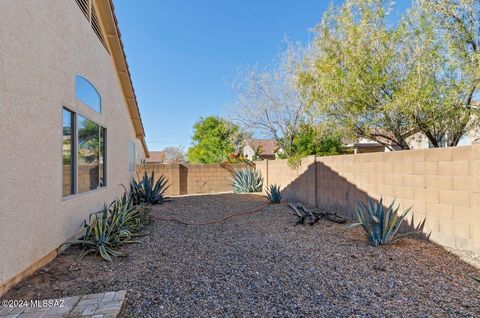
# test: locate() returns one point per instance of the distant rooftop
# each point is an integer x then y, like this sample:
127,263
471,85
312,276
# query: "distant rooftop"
156,156
268,146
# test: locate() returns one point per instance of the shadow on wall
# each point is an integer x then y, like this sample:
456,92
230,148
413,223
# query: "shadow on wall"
321,187
194,178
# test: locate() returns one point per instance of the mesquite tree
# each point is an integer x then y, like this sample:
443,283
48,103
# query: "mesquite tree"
351,77
388,81
457,24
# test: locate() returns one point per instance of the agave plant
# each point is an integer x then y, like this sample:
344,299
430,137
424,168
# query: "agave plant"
274,194
148,191
131,216
101,236
115,225
247,180
381,224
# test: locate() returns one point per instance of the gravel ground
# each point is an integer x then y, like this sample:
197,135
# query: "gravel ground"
261,265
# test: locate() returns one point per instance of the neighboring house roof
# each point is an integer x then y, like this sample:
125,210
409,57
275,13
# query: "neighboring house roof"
156,156
114,42
268,146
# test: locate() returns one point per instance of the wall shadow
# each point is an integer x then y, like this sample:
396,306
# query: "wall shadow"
183,179
323,188
187,179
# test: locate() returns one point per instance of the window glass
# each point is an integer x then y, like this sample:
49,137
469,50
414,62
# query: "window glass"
67,152
131,156
88,154
103,171
87,93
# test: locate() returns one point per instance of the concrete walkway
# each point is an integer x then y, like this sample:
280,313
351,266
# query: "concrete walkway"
103,305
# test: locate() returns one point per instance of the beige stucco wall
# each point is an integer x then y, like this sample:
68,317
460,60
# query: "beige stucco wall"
248,152
441,185
43,45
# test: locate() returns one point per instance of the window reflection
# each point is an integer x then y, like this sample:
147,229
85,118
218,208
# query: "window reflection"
88,154
67,152
102,171
87,93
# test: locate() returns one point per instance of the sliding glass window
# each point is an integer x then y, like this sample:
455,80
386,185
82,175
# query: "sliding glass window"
91,155
84,154
67,147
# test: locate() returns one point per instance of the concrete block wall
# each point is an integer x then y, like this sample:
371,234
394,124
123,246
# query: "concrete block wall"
193,178
278,172
170,171
441,185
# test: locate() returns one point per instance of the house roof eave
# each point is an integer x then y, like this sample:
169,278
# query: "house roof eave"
110,23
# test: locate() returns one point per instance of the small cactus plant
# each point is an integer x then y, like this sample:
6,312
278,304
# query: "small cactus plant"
274,195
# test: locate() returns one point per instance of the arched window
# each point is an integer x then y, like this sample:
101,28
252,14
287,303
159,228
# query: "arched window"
87,93
84,144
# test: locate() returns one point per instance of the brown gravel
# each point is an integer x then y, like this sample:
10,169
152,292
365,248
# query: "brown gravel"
262,266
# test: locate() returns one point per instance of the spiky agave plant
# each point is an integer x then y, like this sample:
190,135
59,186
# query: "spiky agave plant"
102,234
247,180
381,224
115,225
132,216
149,191
274,195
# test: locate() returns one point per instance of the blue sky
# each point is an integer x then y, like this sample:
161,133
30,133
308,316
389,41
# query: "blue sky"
183,54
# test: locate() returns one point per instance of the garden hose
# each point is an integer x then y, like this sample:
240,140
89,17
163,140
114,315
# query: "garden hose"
213,221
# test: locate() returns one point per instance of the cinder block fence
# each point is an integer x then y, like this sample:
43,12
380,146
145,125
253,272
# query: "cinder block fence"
442,185
193,178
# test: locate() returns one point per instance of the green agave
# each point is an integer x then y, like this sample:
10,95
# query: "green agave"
381,224
130,215
274,194
148,191
115,225
100,237
247,180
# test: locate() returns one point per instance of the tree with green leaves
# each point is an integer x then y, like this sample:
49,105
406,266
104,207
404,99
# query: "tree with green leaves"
352,79
456,25
318,140
215,140
386,82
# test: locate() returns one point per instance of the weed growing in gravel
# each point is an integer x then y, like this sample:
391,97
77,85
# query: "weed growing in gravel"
380,224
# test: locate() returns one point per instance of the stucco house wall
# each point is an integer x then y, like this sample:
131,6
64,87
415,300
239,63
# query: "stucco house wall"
248,152
268,149
43,46
420,141
416,141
